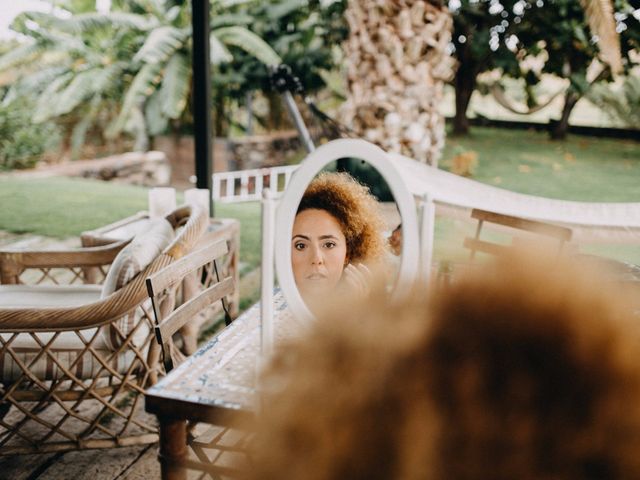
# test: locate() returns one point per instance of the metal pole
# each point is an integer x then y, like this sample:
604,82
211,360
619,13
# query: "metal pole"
298,122
201,66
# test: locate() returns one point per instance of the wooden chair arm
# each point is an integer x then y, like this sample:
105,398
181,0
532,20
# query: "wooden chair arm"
101,312
14,262
81,257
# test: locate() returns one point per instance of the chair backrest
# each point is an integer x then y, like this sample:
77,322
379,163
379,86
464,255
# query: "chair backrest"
556,233
165,281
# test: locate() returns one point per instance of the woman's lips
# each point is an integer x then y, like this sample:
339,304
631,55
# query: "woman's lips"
316,276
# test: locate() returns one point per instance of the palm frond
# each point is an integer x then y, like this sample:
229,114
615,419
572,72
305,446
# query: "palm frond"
285,8
228,19
600,17
141,87
33,84
81,128
226,4
21,55
137,125
157,122
249,42
218,53
156,7
175,86
60,41
108,76
46,22
172,14
161,43
45,106
84,22
77,91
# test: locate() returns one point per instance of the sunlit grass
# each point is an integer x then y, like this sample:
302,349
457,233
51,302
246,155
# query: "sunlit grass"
581,168
64,207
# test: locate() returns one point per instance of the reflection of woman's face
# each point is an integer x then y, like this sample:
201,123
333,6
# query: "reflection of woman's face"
318,252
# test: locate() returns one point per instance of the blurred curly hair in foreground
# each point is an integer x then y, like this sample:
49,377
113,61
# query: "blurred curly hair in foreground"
529,369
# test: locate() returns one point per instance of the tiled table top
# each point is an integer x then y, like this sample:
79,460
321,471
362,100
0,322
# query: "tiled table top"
223,372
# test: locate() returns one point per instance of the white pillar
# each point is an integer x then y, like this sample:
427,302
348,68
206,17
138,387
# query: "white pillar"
162,201
267,279
198,196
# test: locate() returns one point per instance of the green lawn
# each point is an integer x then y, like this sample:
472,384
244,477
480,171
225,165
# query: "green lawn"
64,207
582,168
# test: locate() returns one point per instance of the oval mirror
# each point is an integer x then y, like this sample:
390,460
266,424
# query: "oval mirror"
288,205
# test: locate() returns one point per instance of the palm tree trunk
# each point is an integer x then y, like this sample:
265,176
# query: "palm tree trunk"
397,64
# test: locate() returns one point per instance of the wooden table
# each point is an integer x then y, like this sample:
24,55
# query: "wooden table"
216,385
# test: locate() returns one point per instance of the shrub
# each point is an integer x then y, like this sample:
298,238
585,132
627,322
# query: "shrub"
23,142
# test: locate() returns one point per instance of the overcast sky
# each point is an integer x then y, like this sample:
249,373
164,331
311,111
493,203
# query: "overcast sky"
10,8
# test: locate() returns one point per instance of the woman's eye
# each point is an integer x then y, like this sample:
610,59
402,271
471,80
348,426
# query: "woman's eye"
299,246
330,244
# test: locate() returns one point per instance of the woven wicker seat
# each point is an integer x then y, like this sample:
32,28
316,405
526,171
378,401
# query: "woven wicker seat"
74,358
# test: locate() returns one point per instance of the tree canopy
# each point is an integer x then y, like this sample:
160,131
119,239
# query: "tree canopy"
491,34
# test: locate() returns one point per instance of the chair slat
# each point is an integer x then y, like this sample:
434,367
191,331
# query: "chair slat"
184,319
178,318
533,228
542,228
175,272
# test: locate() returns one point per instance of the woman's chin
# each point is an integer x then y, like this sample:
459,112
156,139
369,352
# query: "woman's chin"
317,293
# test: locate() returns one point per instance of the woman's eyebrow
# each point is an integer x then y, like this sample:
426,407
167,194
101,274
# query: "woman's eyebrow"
321,237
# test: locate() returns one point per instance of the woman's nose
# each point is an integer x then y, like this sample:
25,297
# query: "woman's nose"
316,256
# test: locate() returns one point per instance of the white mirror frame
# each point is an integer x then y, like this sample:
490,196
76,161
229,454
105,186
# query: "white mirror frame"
288,206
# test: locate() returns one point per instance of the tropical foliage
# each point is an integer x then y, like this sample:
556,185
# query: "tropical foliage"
305,34
127,70
22,142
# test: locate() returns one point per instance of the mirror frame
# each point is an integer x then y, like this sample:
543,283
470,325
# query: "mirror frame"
288,206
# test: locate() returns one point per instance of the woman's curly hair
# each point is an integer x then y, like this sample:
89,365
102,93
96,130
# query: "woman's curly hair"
528,371
355,209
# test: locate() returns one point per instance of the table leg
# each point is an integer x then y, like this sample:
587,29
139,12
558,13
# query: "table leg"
173,448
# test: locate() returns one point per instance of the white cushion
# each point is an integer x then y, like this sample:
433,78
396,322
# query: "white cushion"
133,259
137,255
48,295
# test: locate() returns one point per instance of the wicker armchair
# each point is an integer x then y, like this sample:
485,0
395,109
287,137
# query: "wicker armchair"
75,358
